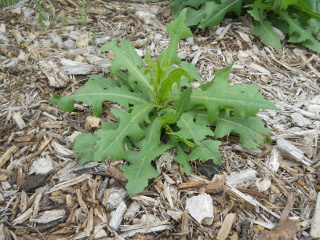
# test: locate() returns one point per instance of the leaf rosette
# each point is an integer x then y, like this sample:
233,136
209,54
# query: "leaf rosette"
159,101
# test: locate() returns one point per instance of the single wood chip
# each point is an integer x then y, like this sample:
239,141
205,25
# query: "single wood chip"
70,182
116,173
23,217
216,185
18,119
191,184
250,202
116,216
284,230
6,156
89,228
49,216
315,229
184,224
290,202
289,150
226,226
41,148
57,78
242,177
130,230
201,208
81,202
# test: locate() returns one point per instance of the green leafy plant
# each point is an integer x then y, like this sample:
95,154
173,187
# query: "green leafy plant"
94,37
297,18
41,15
63,19
161,111
84,13
45,19
314,24
7,3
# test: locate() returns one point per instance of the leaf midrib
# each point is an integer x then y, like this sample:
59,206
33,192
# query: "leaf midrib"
110,94
141,76
227,100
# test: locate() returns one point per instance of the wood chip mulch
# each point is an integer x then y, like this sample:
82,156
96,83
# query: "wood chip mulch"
266,193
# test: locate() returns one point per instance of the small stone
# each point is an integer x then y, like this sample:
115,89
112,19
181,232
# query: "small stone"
201,207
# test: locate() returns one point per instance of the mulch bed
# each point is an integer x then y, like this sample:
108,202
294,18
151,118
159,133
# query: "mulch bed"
265,193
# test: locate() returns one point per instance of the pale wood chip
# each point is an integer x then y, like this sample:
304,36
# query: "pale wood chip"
18,119
129,231
315,223
36,203
274,159
292,152
70,182
89,227
184,224
116,196
49,216
144,200
7,155
264,224
81,202
116,216
23,217
61,150
40,149
201,208
57,78
240,178
226,226
252,203
23,201
75,68
132,210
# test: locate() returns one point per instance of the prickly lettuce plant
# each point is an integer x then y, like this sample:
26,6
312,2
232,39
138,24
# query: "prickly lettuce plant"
299,19
163,111
314,23
291,17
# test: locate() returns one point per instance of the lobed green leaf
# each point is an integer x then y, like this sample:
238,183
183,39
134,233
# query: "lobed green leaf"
111,141
127,57
251,130
190,130
182,158
94,94
267,35
216,12
244,99
300,34
177,31
140,168
207,149
181,105
173,77
195,16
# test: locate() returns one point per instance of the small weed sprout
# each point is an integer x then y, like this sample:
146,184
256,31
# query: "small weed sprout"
84,13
